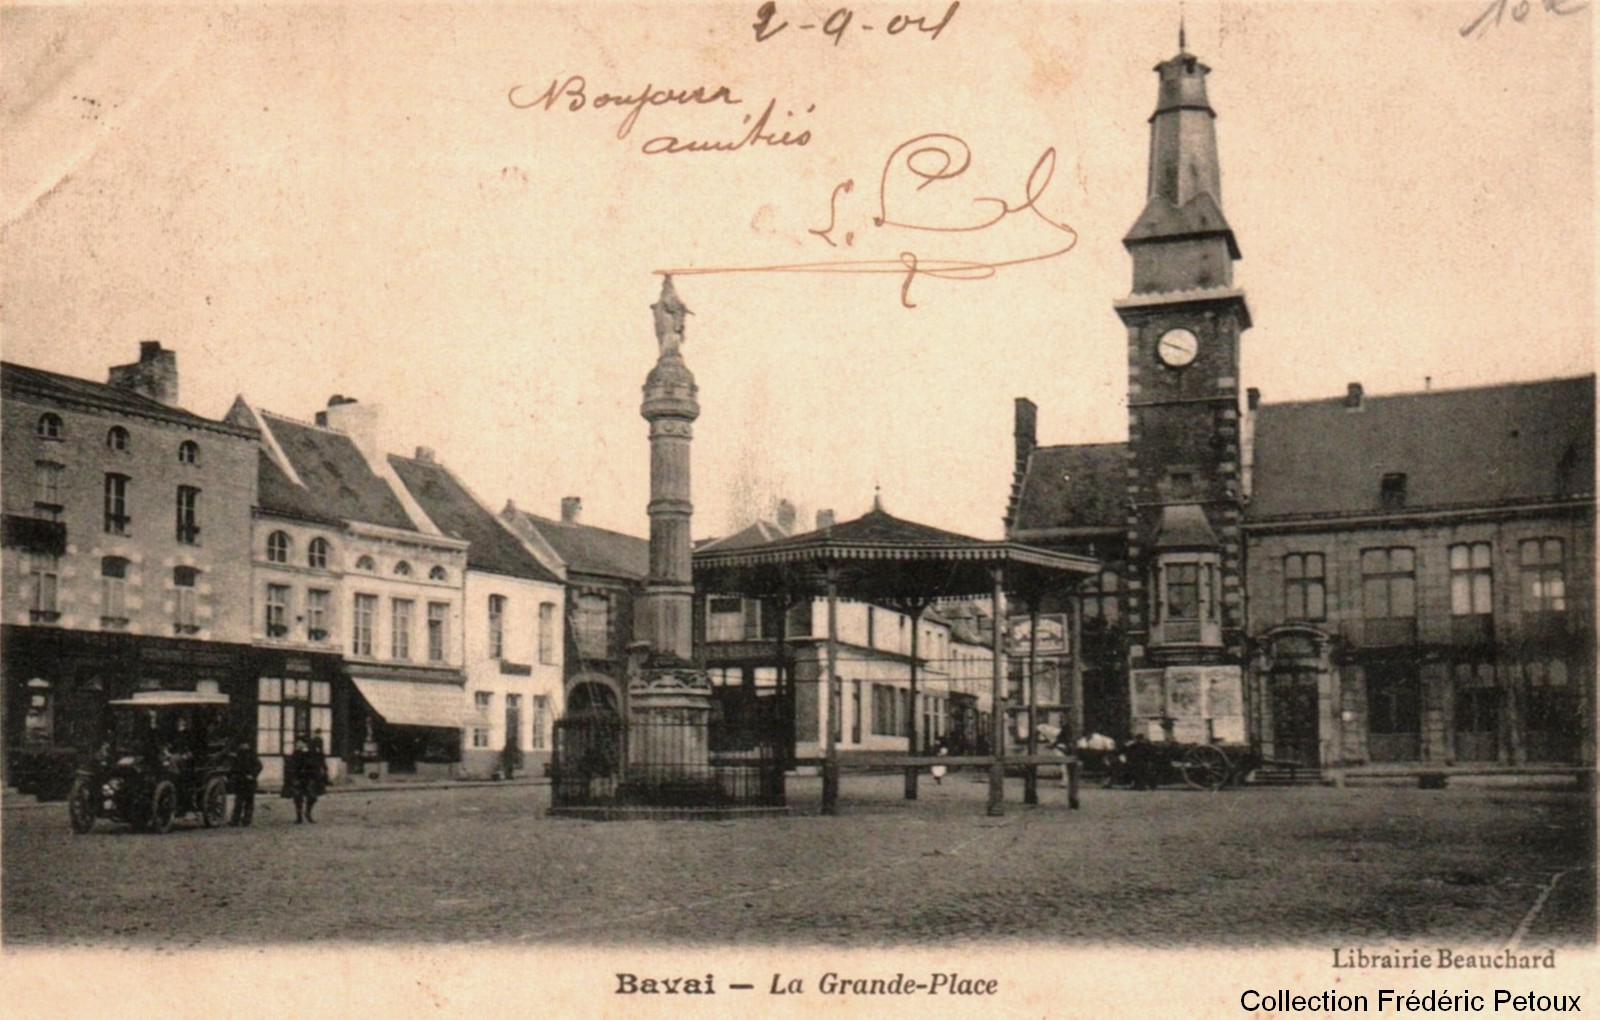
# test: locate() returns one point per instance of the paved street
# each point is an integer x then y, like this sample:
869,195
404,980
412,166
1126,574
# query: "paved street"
1274,866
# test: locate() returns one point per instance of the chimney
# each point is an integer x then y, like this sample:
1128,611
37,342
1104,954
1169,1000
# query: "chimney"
1353,396
824,519
426,454
357,420
1252,398
154,375
786,516
571,509
1025,431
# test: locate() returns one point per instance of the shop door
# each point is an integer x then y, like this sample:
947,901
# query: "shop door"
1477,723
1394,712
1296,736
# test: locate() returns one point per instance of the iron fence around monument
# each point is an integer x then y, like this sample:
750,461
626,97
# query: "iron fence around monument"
604,761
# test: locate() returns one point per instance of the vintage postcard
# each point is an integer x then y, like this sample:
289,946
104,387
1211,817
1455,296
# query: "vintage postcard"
944,507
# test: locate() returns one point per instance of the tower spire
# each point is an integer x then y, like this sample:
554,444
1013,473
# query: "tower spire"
1183,42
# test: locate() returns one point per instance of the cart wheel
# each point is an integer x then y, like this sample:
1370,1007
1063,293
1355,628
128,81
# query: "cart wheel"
214,802
80,805
163,807
1206,767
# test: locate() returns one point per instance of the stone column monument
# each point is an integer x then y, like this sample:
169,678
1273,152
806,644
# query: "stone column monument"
669,697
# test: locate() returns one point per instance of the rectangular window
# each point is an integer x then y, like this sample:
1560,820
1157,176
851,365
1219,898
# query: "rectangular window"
724,618
438,613
1098,598
400,629
1392,491
317,603
1544,577
47,476
593,626
1388,583
480,736
497,626
117,520
1471,580
547,633
188,515
277,610
114,591
185,618
541,722
44,572
1183,591
364,618
1304,587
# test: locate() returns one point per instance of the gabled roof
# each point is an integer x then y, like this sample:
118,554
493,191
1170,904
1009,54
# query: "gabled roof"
1082,486
1485,446
590,550
758,533
336,475
20,379
456,513
277,494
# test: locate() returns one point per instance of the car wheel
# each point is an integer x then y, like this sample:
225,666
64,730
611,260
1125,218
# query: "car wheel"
163,807
80,806
214,802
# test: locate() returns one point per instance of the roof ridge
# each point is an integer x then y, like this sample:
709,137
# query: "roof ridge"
1442,391
290,419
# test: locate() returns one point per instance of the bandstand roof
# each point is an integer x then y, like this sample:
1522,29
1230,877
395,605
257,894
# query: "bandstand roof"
880,557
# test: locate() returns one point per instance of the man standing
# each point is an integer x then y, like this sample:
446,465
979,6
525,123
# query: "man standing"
243,773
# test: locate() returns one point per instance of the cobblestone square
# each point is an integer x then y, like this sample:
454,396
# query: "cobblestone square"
1274,867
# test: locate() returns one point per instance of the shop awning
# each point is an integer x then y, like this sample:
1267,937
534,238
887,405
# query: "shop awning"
409,703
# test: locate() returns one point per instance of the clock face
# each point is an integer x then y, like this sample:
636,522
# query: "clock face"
1177,347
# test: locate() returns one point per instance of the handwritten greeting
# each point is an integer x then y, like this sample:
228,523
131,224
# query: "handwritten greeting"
914,197
572,95
842,19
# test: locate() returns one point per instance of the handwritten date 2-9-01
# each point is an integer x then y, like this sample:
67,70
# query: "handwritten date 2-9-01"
769,23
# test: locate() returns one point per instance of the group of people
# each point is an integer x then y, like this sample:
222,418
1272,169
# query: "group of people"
305,779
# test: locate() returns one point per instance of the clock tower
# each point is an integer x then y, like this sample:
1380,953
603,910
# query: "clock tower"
1184,317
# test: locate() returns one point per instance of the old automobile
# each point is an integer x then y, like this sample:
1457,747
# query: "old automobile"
165,755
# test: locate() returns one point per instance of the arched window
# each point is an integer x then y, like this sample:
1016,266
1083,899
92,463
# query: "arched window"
366,563
278,547
317,554
188,452
48,427
438,574
402,569
117,438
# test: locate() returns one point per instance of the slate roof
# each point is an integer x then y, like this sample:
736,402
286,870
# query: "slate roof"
759,533
336,475
456,513
590,550
1081,486
1491,445
275,493
103,396
1197,217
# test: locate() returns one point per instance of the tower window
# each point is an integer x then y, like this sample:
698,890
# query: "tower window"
1392,491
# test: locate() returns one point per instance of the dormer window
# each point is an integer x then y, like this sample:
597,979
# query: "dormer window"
1392,491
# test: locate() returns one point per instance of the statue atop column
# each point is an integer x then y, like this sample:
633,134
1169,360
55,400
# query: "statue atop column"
670,312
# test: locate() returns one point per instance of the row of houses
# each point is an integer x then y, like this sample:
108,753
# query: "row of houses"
333,589
326,586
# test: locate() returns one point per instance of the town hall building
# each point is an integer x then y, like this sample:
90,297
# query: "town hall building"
1360,579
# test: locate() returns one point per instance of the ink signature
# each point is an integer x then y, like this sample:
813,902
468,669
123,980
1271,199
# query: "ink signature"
1519,12
915,167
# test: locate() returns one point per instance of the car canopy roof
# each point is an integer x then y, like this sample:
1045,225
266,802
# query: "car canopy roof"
164,699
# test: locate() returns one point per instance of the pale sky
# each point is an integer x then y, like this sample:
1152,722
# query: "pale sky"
309,201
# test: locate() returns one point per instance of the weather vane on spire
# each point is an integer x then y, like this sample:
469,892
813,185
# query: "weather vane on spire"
670,312
1183,41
